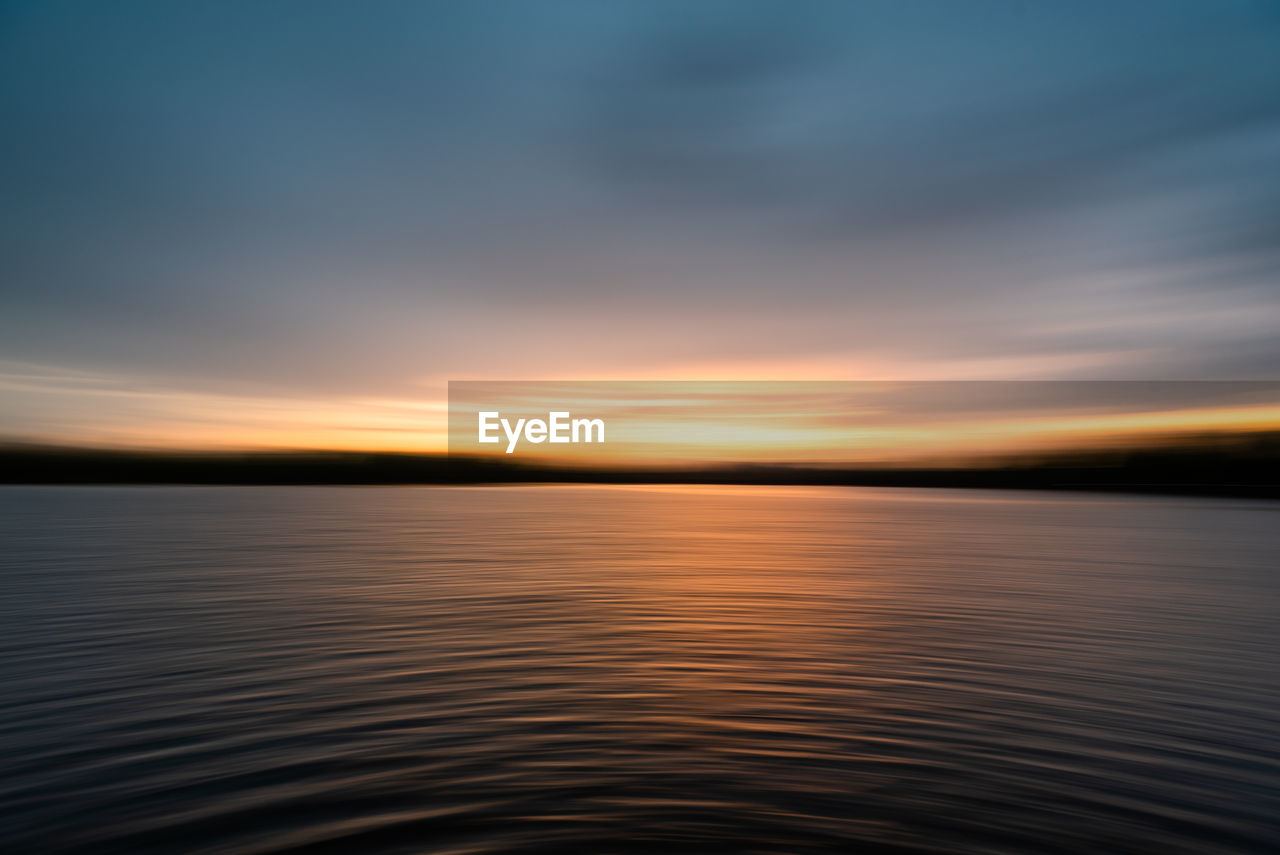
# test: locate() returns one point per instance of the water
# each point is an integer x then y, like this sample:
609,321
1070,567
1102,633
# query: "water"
622,670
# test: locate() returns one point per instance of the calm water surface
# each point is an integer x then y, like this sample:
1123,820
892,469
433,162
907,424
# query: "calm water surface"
624,670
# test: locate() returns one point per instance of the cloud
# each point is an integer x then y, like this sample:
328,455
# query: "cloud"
362,196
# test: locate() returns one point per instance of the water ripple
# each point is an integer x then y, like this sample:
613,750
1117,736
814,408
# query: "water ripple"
627,670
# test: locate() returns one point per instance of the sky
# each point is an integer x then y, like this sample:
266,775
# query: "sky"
910,422
291,223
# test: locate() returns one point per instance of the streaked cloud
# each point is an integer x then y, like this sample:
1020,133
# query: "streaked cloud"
360,201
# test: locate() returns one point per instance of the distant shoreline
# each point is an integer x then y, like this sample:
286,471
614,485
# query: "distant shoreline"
1242,470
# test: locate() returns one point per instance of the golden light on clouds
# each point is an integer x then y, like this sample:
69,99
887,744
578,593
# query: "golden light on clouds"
650,422
818,422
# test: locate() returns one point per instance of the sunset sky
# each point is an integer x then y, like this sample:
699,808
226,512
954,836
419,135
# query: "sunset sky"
838,422
291,224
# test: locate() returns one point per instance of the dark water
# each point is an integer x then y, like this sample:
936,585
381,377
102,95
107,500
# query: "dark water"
619,670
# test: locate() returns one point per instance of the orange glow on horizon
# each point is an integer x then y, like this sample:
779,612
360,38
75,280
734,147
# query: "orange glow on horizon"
707,440
654,422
